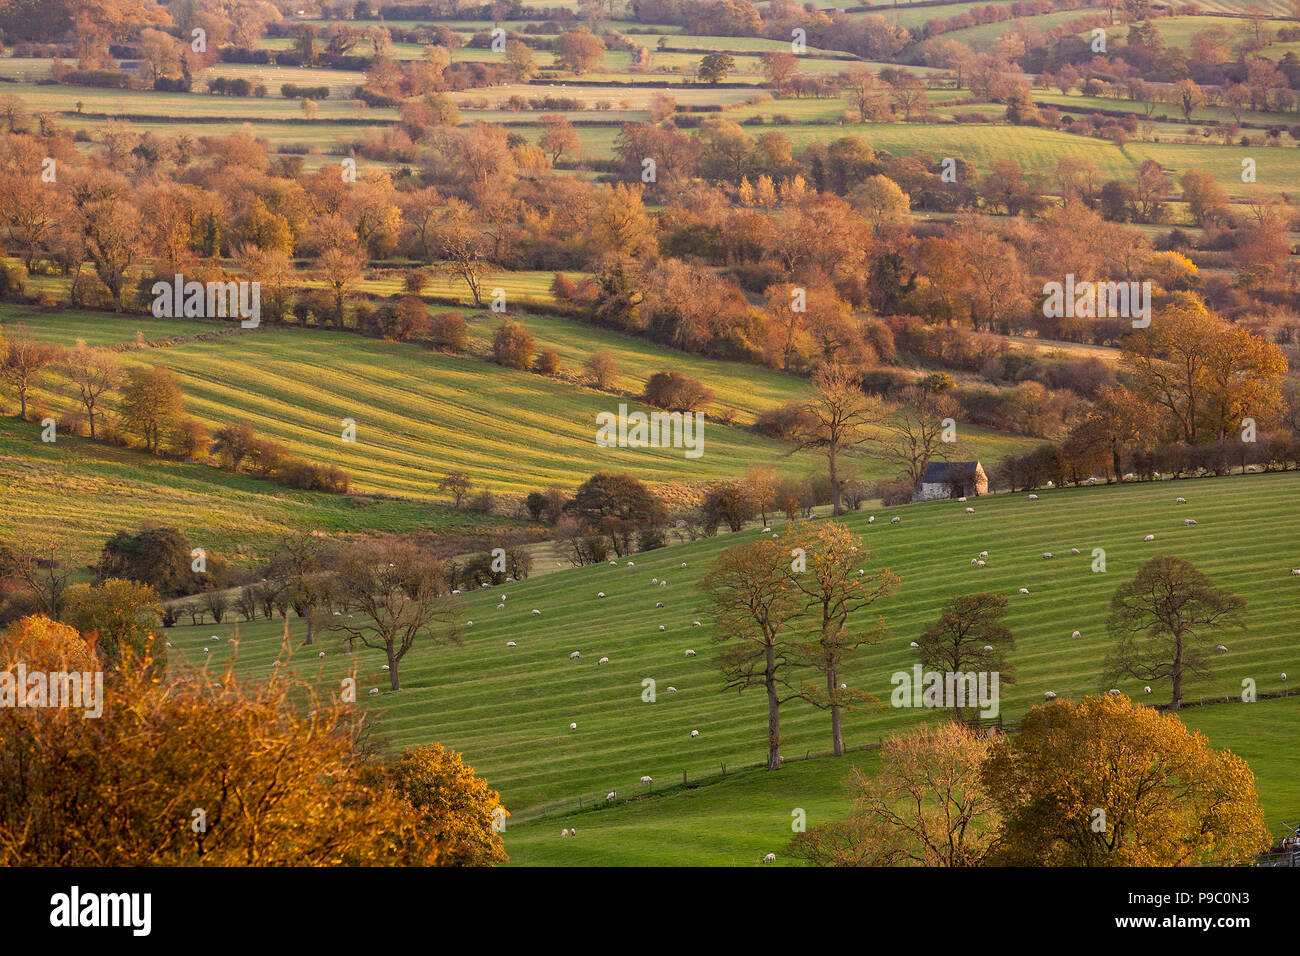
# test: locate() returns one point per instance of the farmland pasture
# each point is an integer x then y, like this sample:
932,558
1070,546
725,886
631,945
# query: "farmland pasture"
509,709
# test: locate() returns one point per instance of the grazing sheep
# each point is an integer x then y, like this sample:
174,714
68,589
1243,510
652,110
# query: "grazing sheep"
844,687
1221,648
1033,497
631,564
984,554
895,520
1149,537
694,734
503,597
671,689
1024,590
1047,554
970,511
690,653
974,561
683,564
1049,696
457,591
659,604
603,660
564,832
1180,501
373,692
663,584
979,564
871,520
1076,635
469,623
647,780
387,668
661,627
1147,689
573,831
169,643
1114,690
215,639
511,644
611,795
536,612
1284,675
205,650
654,580
1189,521
1074,550
613,564
573,726
600,594
770,858
575,655
914,644
1295,570
962,499
695,623
500,606
988,647
767,531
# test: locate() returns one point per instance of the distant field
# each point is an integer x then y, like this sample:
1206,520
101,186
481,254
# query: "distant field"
509,709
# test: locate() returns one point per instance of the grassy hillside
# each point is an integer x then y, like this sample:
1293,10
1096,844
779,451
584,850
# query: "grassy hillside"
509,709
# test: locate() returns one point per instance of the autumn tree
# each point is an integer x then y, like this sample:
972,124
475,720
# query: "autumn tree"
124,617
927,805
93,371
457,484
1103,782
969,637
458,809
914,431
299,566
1164,620
558,136
754,606
827,569
22,361
152,404
715,67
842,417
578,51
400,594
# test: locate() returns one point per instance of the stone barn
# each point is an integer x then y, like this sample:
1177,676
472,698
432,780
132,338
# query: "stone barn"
952,479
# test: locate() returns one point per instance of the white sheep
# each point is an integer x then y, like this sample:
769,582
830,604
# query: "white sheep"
694,734
663,584
575,655
564,832
1221,648
914,644
1024,590
205,650
988,647
215,639
536,612
601,594
1284,675
671,689
387,668
631,564
1047,554
695,623
1147,689
647,780
970,511
1180,501
690,653
511,644
980,564
1114,690
683,564
661,627
500,606
1149,537
469,623
1189,522
1074,550
456,591
321,654
611,795
603,660
962,499
573,726
770,858
1049,696
1295,570
373,692
767,531
659,603
613,564
984,554
895,520
974,561
654,580
1033,497
871,520
169,643
1076,635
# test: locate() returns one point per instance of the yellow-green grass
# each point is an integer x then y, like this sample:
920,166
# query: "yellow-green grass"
1178,32
76,493
986,34
509,709
1274,8
1163,111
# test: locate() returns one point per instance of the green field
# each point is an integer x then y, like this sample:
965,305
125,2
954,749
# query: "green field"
509,709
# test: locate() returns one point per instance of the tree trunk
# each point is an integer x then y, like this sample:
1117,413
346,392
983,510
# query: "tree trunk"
311,629
773,713
393,680
837,732
831,455
1178,674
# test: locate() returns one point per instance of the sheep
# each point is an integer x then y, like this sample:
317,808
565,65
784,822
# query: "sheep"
500,607
980,564
962,499
373,692
695,623
844,687
511,644
1189,522
600,594
871,520
1284,675
573,726
974,561
611,795
1024,590
1149,537
1033,497
659,603
1180,501
1221,648
1295,570
1074,550
613,564
603,660
169,643
1047,554
970,511
647,780
387,668
575,655
661,627
456,591
988,647
503,597
536,612
690,653
767,531
631,564
914,644
683,564
215,639
770,858
694,734
1051,484
564,832
469,623
205,650
1049,696
1147,689
654,580
663,584
984,554
573,831
1114,690
671,689
895,520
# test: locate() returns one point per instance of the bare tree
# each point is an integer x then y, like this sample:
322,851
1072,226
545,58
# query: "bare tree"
842,417
93,371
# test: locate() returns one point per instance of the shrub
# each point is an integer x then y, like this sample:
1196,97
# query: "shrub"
513,345
548,363
602,369
676,392
449,332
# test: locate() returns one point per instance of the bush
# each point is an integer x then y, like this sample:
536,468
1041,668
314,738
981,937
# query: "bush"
548,363
602,370
513,345
449,332
676,392
292,91
404,320
784,421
